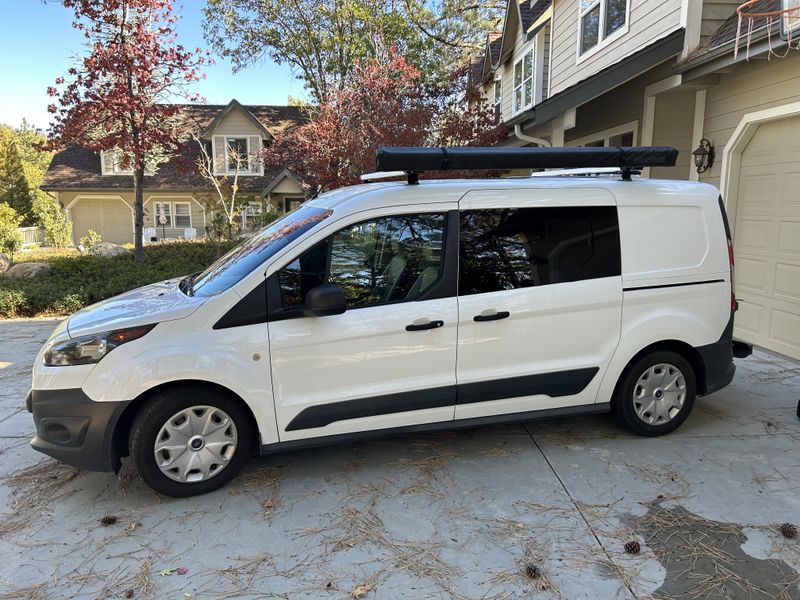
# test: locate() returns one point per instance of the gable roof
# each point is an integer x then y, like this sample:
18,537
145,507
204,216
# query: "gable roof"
235,105
520,16
77,168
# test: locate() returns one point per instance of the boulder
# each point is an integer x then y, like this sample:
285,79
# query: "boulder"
108,249
29,270
5,262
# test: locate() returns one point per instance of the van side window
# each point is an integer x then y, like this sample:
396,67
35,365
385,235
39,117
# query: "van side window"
505,249
389,259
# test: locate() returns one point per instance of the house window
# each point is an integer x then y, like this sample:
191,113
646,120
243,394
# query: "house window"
290,204
622,135
112,163
183,214
253,209
241,151
237,153
498,95
162,215
599,19
523,81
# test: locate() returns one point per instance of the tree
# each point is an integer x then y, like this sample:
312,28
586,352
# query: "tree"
322,41
14,188
120,97
226,186
10,238
385,104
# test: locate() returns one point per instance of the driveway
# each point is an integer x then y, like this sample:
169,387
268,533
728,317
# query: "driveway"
541,509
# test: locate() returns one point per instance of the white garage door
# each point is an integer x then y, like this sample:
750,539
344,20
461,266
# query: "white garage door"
110,217
767,239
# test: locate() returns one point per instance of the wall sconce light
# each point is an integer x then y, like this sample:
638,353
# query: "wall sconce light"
704,156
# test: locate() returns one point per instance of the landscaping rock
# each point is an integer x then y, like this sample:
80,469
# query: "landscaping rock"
5,262
29,270
109,249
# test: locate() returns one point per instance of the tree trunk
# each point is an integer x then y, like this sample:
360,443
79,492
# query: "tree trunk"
138,211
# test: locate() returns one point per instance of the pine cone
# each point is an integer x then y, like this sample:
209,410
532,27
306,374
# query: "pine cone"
633,547
531,571
789,530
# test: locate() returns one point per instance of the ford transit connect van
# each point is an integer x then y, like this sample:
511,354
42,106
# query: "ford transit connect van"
403,307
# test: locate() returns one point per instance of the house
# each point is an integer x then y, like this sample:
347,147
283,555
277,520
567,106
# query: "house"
663,72
97,193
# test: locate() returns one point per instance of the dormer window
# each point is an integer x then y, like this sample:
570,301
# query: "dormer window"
497,95
237,153
599,21
111,161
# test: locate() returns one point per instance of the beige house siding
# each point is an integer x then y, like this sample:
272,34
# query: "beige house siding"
715,13
197,214
752,86
621,105
546,67
672,126
236,123
648,21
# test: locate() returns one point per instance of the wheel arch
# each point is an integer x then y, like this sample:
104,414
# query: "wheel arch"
686,350
122,428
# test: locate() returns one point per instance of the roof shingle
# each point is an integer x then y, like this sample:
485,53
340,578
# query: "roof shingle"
79,168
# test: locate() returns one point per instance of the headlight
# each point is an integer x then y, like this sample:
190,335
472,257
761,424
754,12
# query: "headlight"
90,349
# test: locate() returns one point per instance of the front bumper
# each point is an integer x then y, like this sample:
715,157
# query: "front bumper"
74,429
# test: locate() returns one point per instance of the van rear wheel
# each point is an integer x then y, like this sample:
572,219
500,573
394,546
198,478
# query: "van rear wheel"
656,394
190,440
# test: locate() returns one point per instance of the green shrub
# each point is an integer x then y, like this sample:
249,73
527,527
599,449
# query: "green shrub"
57,227
90,240
11,301
81,279
11,240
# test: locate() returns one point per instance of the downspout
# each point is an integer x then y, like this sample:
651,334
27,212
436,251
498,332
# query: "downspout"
526,138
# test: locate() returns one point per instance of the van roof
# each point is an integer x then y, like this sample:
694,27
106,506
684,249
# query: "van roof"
390,193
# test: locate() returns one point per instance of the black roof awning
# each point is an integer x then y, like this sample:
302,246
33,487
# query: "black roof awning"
416,160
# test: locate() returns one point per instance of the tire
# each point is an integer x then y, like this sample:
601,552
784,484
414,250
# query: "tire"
638,394
211,437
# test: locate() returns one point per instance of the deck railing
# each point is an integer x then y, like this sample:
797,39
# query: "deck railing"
31,235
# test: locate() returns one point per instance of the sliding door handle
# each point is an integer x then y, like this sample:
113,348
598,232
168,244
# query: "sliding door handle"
416,326
496,316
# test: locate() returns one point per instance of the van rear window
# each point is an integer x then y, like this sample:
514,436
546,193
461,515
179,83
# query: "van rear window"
504,249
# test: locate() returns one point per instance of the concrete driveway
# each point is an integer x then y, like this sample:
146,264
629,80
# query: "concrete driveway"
542,509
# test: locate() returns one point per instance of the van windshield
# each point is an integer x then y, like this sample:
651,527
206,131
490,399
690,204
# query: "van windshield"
231,268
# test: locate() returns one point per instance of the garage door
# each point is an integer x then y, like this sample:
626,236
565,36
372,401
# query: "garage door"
767,239
111,218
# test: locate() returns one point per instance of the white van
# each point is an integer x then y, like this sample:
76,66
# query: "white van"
402,307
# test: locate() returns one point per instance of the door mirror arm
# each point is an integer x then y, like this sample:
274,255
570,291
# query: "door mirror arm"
325,300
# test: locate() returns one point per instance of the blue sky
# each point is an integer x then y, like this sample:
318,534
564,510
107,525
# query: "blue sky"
38,44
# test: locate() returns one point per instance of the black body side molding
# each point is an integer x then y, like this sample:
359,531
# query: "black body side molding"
555,385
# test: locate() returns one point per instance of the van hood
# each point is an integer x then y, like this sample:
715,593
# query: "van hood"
154,303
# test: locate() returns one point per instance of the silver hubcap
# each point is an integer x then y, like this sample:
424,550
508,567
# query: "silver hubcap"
195,444
659,394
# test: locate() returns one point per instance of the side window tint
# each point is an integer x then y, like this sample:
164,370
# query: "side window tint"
305,272
504,249
387,259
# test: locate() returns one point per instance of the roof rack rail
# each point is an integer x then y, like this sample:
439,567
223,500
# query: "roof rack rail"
414,160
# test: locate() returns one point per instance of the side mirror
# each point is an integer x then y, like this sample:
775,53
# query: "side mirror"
325,300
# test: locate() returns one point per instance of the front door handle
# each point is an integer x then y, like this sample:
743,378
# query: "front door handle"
495,316
417,326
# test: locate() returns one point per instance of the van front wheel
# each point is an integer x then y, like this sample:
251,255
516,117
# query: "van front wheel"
656,394
190,440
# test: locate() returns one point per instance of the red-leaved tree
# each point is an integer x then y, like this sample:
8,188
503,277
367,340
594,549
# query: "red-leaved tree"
385,104
120,96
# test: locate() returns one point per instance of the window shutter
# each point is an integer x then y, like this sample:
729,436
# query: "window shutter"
255,160
220,158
